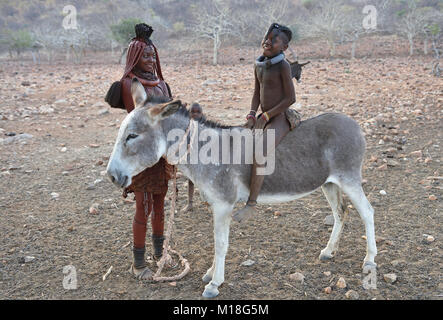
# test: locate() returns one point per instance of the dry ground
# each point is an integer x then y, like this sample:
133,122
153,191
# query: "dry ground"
396,101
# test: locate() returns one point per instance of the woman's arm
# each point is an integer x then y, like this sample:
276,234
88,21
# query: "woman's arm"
128,102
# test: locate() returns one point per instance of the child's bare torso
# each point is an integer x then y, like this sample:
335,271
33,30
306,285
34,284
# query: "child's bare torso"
271,85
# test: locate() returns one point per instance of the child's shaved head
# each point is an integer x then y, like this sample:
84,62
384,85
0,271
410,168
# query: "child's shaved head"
281,31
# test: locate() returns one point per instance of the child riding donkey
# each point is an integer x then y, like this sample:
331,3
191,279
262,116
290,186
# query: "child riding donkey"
275,92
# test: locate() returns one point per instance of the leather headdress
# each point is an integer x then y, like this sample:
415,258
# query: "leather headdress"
136,47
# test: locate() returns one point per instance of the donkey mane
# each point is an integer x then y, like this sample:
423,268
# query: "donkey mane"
206,122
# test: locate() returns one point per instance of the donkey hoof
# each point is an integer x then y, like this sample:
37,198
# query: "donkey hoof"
211,291
207,278
325,256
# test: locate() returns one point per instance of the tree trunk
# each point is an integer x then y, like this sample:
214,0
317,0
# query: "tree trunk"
34,59
411,45
425,46
216,46
331,48
354,46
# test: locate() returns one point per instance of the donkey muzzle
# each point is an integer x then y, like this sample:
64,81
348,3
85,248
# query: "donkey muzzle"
118,178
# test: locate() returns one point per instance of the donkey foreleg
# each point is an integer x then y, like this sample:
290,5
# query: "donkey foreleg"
216,274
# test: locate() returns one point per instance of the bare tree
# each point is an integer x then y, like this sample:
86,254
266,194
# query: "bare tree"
49,37
412,23
253,21
326,21
213,22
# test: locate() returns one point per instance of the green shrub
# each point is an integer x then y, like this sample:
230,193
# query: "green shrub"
123,31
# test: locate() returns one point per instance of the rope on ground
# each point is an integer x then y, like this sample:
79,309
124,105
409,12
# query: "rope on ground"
166,257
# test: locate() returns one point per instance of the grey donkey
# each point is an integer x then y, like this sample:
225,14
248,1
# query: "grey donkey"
323,152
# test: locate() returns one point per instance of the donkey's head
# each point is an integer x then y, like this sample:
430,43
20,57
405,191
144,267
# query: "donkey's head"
141,141
296,69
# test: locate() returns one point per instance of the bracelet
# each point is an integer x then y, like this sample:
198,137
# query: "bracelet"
251,116
267,117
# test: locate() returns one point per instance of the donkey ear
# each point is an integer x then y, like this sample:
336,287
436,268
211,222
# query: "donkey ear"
138,93
303,64
164,110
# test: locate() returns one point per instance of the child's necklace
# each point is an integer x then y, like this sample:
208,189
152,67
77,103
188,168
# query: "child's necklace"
261,62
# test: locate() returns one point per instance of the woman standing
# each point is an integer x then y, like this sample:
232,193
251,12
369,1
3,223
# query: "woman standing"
151,185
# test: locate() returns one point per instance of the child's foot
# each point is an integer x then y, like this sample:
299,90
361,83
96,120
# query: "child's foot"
244,214
141,274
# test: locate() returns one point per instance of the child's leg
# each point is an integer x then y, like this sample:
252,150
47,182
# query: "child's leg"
281,127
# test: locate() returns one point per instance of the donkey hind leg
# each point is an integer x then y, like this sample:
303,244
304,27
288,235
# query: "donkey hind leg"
356,194
334,196
222,219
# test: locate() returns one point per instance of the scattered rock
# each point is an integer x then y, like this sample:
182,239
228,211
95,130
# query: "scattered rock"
392,163
64,149
247,263
297,277
46,109
28,259
90,187
60,102
428,238
383,192
54,195
277,214
94,209
26,83
92,145
98,105
416,154
390,277
432,197
398,263
327,290
327,273
16,138
383,167
103,112
329,220
341,283
352,295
